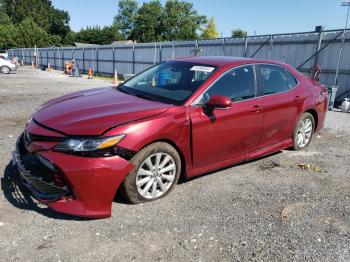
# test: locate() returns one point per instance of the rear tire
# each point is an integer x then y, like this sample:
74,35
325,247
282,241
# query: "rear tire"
5,69
157,171
303,131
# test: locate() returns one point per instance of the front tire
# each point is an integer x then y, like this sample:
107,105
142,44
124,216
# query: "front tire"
303,131
157,170
5,69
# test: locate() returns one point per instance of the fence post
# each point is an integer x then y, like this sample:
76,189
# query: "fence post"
173,51
318,29
270,48
58,58
39,62
97,60
83,68
245,46
155,53
160,53
133,59
223,46
113,60
54,58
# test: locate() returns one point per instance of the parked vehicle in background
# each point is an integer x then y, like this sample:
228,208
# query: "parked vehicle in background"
3,54
6,66
345,106
180,118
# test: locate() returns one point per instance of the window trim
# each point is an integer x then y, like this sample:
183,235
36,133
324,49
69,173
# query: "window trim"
195,102
286,70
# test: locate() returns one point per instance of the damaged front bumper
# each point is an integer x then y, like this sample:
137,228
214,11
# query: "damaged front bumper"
75,185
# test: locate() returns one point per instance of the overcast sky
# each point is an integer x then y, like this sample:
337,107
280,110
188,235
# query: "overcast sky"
254,16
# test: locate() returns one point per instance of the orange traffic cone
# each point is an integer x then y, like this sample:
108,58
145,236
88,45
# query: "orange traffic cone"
66,67
90,73
115,80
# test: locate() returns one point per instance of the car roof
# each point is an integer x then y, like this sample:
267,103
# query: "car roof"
224,60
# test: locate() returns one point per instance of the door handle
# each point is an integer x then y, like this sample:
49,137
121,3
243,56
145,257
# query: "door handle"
297,98
256,108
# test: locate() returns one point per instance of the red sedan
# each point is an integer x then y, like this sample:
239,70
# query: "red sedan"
180,118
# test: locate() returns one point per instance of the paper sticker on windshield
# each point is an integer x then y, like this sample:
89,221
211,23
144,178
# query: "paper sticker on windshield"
202,68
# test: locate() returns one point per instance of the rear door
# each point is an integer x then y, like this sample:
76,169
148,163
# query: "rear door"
226,134
276,98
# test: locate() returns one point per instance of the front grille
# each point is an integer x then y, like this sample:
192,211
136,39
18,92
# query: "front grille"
45,183
29,138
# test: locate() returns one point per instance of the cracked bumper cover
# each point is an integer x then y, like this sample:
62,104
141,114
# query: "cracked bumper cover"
92,182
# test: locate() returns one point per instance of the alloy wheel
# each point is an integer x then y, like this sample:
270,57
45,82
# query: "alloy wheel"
304,132
5,70
155,175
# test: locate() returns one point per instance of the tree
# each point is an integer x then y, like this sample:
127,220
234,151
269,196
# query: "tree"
177,20
148,22
59,23
69,39
18,10
8,36
41,12
125,20
181,21
96,35
210,31
238,33
25,34
4,18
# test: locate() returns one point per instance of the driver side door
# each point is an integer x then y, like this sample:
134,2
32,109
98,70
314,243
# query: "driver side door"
227,134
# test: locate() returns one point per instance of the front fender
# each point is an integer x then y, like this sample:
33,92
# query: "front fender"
173,125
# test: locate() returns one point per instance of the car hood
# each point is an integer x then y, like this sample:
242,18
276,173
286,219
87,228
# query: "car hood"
93,111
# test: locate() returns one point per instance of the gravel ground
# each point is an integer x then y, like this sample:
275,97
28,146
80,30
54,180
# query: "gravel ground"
265,210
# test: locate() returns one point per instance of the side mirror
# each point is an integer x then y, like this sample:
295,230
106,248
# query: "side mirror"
220,102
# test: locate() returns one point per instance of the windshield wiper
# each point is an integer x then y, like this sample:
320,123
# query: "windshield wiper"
146,97
123,90
138,94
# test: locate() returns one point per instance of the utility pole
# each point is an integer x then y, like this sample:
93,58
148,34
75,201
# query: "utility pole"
346,3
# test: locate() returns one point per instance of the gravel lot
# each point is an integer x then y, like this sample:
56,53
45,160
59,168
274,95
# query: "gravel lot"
265,210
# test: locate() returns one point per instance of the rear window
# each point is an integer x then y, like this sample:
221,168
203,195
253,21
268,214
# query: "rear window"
273,79
291,81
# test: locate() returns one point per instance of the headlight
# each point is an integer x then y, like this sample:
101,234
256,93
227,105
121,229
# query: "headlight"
89,146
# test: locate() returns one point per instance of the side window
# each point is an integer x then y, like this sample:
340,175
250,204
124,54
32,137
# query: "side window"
237,84
291,81
272,79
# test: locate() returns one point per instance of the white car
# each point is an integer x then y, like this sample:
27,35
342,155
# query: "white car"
6,66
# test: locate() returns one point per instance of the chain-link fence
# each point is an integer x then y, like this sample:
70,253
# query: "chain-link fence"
302,50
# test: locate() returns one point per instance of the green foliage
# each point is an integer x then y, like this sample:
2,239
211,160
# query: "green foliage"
50,25
125,20
25,34
69,39
238,33
210,31
176,20
4,19
59,23
148,22
96,35
181,21
26,23
18,10
8,36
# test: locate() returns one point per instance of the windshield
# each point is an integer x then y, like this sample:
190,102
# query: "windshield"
171,82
